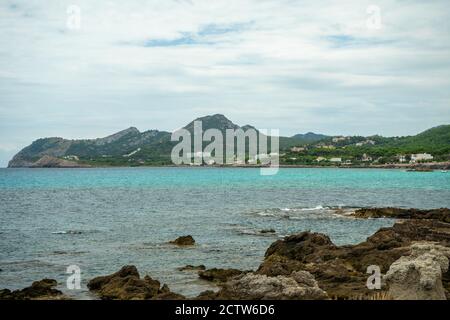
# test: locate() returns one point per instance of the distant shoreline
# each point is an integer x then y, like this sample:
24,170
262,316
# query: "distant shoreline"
430,165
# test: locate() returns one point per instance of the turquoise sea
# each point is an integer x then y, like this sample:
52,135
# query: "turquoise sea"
102,219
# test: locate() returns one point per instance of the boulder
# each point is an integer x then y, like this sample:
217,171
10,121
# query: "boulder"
39,290
299,285
419,275
302,247
126,284
184,241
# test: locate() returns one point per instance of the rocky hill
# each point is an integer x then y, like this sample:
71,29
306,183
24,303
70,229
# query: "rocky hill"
130,147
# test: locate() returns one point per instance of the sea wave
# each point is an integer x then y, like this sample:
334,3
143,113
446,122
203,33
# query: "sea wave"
74,231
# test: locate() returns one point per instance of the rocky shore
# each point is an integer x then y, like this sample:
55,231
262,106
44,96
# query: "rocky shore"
412,257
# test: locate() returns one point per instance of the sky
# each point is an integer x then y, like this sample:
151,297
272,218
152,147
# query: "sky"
86,69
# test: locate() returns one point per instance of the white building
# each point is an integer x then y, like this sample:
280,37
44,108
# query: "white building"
336,160
75,158
321,159
421,157
401,158
297,149
366,158
337,139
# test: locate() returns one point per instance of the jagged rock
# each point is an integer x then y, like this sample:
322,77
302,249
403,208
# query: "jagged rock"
442,214
341,270
419,275
219,275
126,284
300,247
192,268
299,285
39,290
184,241
275,265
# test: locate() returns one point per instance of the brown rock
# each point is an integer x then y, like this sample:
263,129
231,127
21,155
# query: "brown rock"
219,275
39,290
126,284
442,214
184,241
341,270
192,268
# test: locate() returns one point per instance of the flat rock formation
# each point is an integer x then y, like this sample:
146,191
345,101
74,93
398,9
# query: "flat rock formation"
300,285
442,214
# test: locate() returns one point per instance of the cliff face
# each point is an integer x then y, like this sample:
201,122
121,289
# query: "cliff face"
52,162
59,152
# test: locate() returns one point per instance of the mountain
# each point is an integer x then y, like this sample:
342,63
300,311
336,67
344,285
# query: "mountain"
309,137
437,138
216,121
102,150
130,147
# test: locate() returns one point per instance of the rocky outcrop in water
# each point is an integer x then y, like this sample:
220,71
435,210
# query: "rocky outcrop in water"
419,275
183,241
442,214
126,284
341,270
190,267
39,290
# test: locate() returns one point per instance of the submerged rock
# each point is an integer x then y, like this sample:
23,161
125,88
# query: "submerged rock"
184,241
300,285
419,275
192,268
126,284
267,231
39,290
219,275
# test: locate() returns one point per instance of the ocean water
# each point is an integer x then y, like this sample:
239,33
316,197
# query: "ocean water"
102,219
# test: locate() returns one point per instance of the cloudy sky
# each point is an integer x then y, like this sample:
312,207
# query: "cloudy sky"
334,67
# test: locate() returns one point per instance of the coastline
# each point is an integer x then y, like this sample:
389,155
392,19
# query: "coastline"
428,165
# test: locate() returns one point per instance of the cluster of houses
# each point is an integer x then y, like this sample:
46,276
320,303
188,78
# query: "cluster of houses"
413,158
234,161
